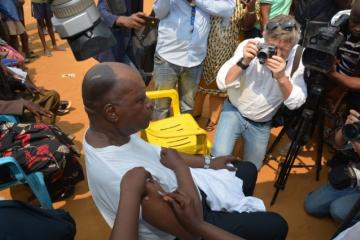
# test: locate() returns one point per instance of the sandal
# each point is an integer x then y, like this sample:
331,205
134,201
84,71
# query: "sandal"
64,107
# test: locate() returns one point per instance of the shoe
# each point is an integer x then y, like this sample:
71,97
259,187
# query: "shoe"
64,107
30,55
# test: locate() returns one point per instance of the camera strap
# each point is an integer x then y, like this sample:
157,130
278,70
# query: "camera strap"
297,58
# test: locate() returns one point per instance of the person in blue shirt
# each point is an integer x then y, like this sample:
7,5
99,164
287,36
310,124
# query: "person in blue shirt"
121,26
181,47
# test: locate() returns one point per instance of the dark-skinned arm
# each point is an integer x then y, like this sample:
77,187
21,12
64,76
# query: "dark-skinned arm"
173,159
183,207
127,217
348,81
264,15
136,190
249,19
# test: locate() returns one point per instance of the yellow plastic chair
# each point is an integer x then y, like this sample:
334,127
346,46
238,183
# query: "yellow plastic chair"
179,131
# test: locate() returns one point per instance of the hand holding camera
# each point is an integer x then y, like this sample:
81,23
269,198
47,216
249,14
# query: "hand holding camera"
351,130
343,176
277,65
250,51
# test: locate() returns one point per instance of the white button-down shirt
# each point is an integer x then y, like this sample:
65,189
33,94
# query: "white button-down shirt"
256,94
179,45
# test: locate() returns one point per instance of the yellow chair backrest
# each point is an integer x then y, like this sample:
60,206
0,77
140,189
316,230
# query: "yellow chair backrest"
179,131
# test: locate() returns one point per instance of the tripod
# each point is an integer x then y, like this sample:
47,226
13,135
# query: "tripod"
303,126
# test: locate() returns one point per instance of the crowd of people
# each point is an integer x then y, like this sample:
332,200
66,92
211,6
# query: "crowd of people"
213,48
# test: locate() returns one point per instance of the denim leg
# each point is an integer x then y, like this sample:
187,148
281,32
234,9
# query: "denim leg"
188,84
256,138
166,76
342,206
230,126
317,203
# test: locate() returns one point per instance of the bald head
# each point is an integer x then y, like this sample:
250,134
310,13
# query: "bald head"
102,78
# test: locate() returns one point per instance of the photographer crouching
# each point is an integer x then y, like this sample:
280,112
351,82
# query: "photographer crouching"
261,75
337,197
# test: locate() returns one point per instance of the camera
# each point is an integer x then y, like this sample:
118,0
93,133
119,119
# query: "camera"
351,132
79,22
265,51
322,43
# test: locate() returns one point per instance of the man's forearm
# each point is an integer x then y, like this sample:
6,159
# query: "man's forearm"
350,82
250,16
285,86
264,13
233,74
186,184
127,217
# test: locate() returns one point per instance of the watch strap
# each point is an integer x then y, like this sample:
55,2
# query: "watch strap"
241,64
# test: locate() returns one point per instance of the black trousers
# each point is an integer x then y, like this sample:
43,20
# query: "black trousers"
253,225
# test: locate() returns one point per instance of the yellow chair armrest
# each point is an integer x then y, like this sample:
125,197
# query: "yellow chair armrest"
170,93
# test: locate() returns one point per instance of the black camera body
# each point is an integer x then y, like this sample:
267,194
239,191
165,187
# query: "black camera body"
265,51
322,42
351,132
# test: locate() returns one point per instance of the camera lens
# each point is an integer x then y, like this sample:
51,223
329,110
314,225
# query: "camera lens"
351,132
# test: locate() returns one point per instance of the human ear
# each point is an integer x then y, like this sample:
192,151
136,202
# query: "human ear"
110,113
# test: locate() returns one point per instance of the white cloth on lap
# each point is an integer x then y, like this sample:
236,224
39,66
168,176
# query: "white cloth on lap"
351,233
224,191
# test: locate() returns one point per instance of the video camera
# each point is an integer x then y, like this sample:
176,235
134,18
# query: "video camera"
80,23
322,43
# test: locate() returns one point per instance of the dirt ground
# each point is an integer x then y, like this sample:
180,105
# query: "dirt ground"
62,73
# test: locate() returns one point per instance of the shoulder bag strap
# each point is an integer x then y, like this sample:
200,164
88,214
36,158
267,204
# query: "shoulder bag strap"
297,59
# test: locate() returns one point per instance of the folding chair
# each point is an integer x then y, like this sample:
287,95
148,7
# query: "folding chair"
179,131
34,180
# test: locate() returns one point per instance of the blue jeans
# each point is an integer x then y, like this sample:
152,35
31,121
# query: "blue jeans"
327,200
231,126
168,76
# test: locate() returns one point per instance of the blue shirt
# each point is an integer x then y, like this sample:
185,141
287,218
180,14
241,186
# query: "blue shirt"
122,34
9,9
177,43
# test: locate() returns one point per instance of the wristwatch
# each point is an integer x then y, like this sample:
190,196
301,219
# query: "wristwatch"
207,160
241,65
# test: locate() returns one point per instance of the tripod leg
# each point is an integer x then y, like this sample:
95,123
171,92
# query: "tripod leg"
285,169
319,143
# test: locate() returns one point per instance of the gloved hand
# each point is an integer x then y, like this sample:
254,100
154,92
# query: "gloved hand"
343,176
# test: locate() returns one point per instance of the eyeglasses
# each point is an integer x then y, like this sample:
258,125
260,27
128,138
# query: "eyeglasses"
287,26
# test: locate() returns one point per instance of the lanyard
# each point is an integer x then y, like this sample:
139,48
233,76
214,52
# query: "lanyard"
193,13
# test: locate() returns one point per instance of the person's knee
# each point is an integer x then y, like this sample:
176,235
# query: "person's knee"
247,171
40,24
338,211
278,225
312,207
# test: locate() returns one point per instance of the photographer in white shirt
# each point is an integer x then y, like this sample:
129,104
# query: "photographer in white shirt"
256,90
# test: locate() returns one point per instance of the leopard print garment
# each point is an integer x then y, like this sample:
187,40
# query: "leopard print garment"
222,43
